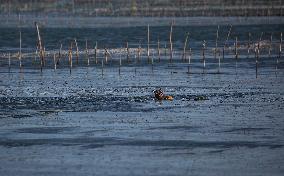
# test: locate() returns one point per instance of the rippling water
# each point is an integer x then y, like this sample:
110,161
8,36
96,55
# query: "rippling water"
107,122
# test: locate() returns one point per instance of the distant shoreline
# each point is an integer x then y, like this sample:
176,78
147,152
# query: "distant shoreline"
27,21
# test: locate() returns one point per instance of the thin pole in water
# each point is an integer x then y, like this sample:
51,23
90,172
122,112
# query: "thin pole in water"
40,47
119,64
44,61
102,67
20,41
219,62
236,48
184,47
20,53
171,43
257,50
280,52
256,60
106,58
77,52
60,51
54,61
256,64
203,55
87,53
189,60
70,58
96,48
152,61
236,53
270,46
127,52
159,51
148,43
9,61
249,38
225,44
280,46
139,52
216,42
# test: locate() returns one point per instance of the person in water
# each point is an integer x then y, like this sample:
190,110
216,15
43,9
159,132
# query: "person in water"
159,95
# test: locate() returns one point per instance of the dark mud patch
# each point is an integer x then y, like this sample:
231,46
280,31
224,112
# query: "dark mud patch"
58,142
216,151
244,130
45,130
92,103
185,128
16,116
201,144
46,105
109,141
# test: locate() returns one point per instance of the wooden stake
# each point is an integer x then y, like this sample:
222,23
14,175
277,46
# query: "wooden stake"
41,52
96,48
77,52
20,41
219,62
171,44
280,52
159,51
236,48
280,46
119,64
106,56
70,57
20,52
139,52
102,67
152,61
229,33
216,42
54,61
258,45
203,55
256,67
184,47
148,43
9,61
249,38
256,60
87,53
44,56
225,44
270,46
189,61
127,52
60,51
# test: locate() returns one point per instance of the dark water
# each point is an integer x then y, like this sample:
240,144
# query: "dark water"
104,122
117,37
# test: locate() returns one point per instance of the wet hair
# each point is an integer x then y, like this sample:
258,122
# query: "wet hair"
159,94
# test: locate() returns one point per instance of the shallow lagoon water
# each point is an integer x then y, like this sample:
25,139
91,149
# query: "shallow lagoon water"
86,122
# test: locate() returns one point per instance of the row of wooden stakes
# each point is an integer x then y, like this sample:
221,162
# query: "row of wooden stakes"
41,53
